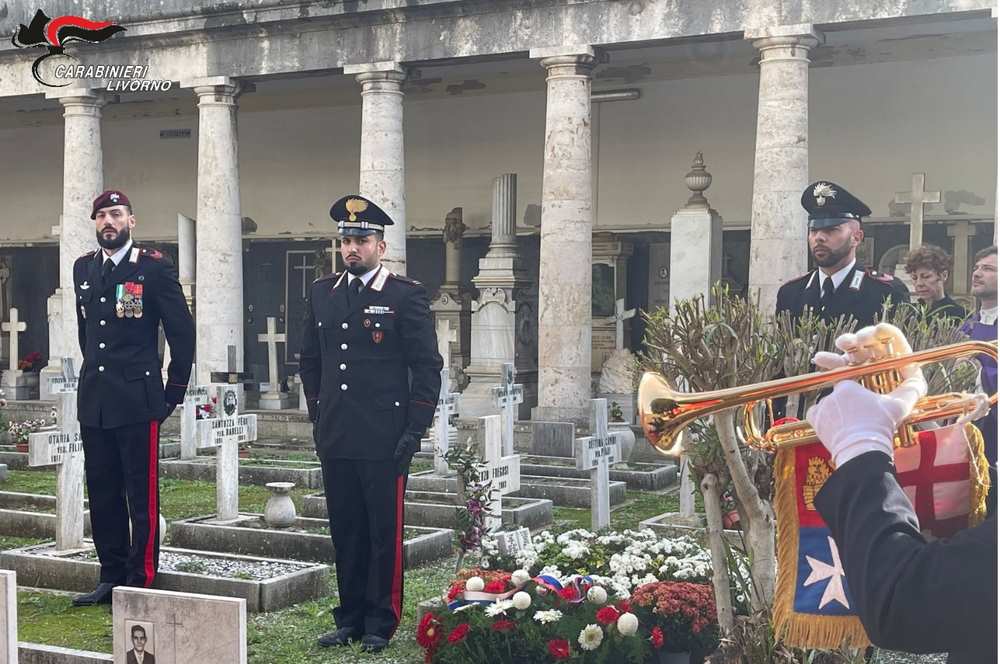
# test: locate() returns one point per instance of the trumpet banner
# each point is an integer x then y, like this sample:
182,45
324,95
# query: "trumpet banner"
945,477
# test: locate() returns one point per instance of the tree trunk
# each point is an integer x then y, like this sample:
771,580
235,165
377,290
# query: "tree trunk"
720,565
758,528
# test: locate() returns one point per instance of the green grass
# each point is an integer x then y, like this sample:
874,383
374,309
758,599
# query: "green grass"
51,619
638,506
17,542
31,481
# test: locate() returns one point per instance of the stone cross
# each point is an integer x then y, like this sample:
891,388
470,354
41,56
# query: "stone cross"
619,319
917,197
272,339
308,270
14,326
225,430
447,405
596,453
64,448
231,375
506,397
180,627
961,232
503,472
445,336
8,616
195,399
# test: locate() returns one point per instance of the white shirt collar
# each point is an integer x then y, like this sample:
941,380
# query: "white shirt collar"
365,278
838,276
988,316
119,255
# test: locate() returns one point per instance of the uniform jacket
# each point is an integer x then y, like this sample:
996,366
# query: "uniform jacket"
373,367
860,295
911,595
130,658
120,381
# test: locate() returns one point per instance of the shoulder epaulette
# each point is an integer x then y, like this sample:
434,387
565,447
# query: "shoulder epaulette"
405,279
89,254
326,277
155,254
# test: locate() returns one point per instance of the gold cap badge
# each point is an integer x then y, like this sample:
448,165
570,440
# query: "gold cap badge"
354,206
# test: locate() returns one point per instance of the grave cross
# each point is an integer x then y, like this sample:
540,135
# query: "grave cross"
231,375
916,197
506,397
195,399
621,315
14,326
596,453
272,339
307,269
447,405
8,616
225,430
64,448
502,472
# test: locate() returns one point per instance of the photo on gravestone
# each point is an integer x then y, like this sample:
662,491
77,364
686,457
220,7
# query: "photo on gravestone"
140,642
230,402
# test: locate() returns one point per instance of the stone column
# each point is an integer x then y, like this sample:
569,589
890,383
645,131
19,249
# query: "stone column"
454,228
503,314
778,224
187,256
564,311
382,175
453,303
83,180
219,251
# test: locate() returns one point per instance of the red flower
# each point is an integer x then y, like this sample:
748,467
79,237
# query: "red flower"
503,626
455,590
428,634
568,593
624,606
458,633
607,615
657,637
559,648
495,587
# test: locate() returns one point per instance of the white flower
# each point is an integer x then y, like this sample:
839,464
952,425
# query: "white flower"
628,624
597,595
498,607
520,577
475,584
550,616
521,600
590,637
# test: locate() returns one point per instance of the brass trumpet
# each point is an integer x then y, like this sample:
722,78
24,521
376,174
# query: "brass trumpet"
665,412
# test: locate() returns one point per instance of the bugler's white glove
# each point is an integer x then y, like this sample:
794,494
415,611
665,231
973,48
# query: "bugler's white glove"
853,420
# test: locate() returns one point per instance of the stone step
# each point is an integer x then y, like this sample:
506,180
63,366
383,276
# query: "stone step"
248,535
637,476
203,469
437,509
562,491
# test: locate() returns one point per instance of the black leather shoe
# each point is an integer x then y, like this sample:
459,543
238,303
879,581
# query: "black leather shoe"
341,637
101,595
372,643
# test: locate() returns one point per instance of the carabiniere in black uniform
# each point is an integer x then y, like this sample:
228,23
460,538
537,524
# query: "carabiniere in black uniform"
121,397
371,375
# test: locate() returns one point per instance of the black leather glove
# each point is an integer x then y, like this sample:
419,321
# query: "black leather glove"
407,446
312,405
170,409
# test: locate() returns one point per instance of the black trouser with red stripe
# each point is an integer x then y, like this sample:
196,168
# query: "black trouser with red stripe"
364,500
122,467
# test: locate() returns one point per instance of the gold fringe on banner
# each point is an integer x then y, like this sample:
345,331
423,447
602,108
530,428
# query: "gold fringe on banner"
795,629
979,469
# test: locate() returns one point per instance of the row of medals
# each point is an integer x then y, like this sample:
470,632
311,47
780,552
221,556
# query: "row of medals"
129,306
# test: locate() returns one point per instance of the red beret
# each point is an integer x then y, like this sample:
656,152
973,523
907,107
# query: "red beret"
109,198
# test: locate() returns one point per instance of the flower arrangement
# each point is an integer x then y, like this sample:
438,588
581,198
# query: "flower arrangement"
19,431
470,521
684,613
29,361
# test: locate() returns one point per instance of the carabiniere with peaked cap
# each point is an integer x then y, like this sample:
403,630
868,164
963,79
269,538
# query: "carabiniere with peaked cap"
829,204
359,216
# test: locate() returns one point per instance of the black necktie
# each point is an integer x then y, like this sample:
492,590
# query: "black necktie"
354,290
827,299
109,265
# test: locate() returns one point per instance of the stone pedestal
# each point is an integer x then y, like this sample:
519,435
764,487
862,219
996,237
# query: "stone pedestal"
54,367
454,304
610,268
564,295
19,385
695,241
219,251
778,224
382,173
503,314
274,401
83,180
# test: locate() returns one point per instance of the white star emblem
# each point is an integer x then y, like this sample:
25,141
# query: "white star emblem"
114,197
835,572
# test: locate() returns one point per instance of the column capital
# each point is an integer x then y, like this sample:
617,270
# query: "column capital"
801,35
81,99
380,76
224,89
566,60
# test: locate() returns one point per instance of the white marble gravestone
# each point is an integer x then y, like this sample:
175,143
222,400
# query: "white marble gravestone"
444,432
597,453
274,398
225,430
180,628
502,472
8,617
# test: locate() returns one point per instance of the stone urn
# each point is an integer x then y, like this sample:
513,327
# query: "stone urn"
280,510
627,439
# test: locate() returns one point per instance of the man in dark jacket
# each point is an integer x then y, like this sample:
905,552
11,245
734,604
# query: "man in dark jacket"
123,294
910,594
371,376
